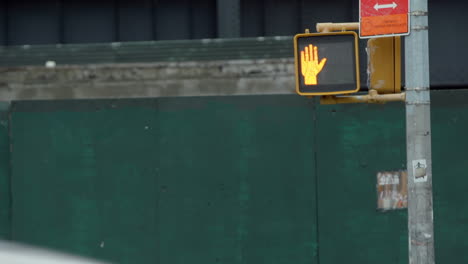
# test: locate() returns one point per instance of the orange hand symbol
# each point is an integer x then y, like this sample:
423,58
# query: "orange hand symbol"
310,66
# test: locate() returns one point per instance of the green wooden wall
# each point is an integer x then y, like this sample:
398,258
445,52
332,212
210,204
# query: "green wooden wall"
247,179
450,170
5,183
354,143
199,180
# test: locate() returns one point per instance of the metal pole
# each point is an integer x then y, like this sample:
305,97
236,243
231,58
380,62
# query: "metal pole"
418,138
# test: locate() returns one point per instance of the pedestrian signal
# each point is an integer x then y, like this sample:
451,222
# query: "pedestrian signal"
326,63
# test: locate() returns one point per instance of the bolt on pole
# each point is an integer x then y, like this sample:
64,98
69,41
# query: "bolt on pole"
418,138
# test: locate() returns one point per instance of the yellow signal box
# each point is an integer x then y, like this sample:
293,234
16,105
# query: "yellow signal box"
326,63
384,64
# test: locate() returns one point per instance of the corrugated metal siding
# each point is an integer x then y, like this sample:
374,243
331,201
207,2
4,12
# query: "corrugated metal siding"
154,51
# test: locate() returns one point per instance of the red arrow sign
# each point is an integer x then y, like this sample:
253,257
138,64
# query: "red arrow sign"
383,18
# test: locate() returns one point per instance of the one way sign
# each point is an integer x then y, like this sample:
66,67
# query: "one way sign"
392,5
380,18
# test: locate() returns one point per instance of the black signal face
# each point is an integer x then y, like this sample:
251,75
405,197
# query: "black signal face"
326,63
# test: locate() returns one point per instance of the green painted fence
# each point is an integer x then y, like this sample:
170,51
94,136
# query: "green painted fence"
248,179
354,143
203,180
5,183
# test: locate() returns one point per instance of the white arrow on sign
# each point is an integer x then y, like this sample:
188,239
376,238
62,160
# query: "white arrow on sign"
392,5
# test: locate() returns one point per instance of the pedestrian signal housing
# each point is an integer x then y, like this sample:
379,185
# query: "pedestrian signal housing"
384,64
326,63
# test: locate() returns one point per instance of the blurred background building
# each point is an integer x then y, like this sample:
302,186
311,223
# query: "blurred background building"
51,22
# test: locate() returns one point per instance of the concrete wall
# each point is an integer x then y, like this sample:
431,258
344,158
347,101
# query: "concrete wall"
235,77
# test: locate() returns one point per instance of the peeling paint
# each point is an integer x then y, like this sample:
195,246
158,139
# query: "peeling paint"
392,190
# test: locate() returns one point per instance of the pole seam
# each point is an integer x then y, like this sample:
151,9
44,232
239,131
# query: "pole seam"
417,89
420,28
419,103
419,13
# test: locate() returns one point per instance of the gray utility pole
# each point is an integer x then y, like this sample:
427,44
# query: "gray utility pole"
418,138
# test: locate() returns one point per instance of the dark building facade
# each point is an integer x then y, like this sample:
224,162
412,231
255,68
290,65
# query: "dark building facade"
28,22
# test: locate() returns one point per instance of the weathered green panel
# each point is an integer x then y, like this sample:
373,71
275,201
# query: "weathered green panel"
225,179
354,142
5,194
236,190
450,181
176,180
85,179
